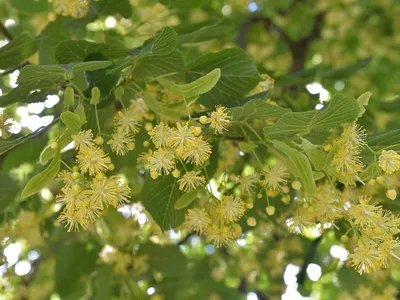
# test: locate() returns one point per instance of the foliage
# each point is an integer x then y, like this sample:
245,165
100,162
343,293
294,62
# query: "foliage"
209,149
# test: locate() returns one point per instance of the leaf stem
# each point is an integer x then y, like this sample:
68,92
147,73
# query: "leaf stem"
97,120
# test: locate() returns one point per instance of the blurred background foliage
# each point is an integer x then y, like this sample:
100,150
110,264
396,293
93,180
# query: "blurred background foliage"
311,48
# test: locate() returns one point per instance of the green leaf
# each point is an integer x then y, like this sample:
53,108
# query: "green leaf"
247,147
23,93
17,51
40,181
74,263
388,140
152,66
164,43
200,86
35,81
8,190
77,51
257,109
80,111
153,55
33,74
112,7
184,4
103,282
317,157
8,145
72,121
363,101
48,152
339,111
28,152
159,198
31,8
168,260
186,199
204,33
91,66
172,111
298,164
238,75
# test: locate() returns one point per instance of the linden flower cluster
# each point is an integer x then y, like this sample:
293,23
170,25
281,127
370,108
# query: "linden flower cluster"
375,228
274,178
389,161
346,159
126,126
217,222
183,143
123,262
74,8
87,190
328,205
219,120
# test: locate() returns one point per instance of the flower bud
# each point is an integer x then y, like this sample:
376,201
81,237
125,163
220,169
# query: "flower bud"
176,173
296,185
391,194
270,210
204,120
99,141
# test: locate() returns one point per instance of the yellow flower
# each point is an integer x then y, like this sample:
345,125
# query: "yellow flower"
69,197
300,223
220,120
346,161
247,184
121,142
88,209
93,160
191,180
160,135
365,214
197,153
274,178
197,220
103,191
230,209
389,161
182,138
83,139
353,137
162,161
124,194
73,218
127,121
66,178
389,251
366,258
349,179
219,236
78,9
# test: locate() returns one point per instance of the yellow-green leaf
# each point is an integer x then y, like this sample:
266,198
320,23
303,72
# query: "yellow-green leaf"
363,101
186,199
40,181
200,86
298,164
72,121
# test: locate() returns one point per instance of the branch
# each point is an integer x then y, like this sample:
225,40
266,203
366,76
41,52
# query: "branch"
5,32
301,278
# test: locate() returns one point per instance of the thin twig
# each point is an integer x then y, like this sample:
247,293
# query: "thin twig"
5,32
